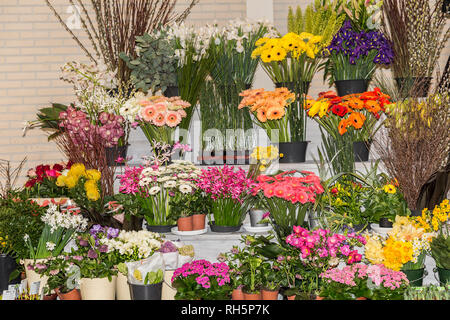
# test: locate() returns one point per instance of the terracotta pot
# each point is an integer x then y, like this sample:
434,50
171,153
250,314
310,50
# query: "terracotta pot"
185,224
320,298
361,298
252,296
269,295
237,294
292,297
198,221
71,295
98,288
122,288
50,297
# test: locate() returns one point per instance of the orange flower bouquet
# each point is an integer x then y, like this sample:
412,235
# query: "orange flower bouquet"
270,110
159,116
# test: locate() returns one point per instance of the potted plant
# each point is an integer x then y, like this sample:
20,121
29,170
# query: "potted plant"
63,276
272,280
130,246
360,282
287,198
202,279
403,248
353,58
191,208
227,188
98,271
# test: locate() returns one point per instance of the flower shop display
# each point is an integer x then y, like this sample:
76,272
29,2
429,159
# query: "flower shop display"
287,198
202,279
227,188
403,248
112,28
416,57
321,249
344,123
358,281
417,133
41,181
353,57
155,188
233,72
436,221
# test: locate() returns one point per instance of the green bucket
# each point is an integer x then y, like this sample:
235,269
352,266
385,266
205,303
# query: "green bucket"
444,275
415,277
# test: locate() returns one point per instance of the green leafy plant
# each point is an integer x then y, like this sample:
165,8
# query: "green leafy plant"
155,67
440,250
430,292
154,277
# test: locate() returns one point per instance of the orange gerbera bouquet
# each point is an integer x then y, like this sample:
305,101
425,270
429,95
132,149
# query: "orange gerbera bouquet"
354,114
270,110
158,116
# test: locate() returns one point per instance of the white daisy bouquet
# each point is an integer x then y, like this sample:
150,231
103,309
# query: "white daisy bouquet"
159,184
59,228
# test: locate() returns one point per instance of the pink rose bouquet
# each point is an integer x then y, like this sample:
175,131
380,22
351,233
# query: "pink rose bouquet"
202,279
228,189
375,282
287,198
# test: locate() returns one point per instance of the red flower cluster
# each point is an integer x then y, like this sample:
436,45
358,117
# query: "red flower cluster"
295,189
43,172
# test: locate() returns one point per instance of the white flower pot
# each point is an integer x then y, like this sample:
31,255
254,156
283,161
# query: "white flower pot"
168,293
98,288
33,276
122,287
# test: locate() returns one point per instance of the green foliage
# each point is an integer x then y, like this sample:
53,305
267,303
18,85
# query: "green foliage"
430,292
154,277
185,205
440,251
155,67
381,204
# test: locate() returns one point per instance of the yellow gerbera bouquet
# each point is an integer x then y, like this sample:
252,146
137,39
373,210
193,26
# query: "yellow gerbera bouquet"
79,177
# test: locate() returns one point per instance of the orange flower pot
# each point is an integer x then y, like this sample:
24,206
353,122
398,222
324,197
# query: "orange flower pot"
185,224
292,297
198,221
320,298
71,295
252,296
237,294
269,295
361,298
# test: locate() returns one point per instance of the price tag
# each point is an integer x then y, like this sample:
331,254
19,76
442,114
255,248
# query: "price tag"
8,295
34,288
23,286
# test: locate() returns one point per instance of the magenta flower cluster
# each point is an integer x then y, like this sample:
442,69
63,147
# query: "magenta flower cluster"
321,243
378,274
129,180
225,182
204,270
76,123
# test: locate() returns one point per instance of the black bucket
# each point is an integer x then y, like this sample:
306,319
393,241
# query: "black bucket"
7,266
171,91
112,153
385,223
145,291
361,151
293,152
224,229
345,87
160,229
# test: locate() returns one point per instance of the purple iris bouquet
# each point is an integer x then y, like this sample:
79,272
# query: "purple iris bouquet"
355,55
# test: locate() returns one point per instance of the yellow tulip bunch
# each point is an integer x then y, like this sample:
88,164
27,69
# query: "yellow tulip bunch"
91,177
276,49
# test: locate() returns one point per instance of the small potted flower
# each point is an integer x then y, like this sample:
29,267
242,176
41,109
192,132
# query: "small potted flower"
191,209
271,282
227,188
202,279
360,282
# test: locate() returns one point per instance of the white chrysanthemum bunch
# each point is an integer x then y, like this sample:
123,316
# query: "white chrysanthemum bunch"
135,245
64,219
176,177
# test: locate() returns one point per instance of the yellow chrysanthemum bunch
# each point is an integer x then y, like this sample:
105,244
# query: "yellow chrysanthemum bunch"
290,45
432,221
78,170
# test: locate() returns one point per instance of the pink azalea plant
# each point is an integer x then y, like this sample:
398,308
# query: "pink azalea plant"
202,279
227,188
159,116
287,198
374,282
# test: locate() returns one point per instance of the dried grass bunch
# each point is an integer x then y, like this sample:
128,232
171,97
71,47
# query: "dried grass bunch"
416,141
112,26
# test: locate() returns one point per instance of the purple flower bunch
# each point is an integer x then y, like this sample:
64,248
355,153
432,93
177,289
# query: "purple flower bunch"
81,130
378,274
356,45
168,246
203,271
98,232
225,183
